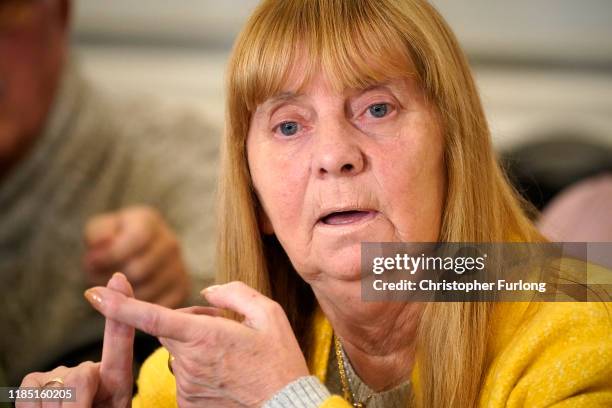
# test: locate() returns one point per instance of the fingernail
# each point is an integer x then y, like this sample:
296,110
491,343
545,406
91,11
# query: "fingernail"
210,289
94,297
118,275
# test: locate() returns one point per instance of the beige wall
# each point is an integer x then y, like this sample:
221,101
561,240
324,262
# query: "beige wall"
541,65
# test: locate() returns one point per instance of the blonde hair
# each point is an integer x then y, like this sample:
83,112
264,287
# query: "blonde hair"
358,43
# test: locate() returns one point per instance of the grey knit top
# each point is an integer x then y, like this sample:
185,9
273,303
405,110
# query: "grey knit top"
97,154
309,392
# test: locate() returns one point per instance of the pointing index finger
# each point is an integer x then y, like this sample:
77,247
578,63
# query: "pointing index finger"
153,319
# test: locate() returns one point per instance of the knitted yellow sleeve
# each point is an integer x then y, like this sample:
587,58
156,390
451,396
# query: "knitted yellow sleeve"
560,355
156,385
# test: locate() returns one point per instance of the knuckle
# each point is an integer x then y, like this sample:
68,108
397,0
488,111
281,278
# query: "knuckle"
236,286
31,378
86,375
138,216
134,268
141,233
111,307
150,323
272,308
88,366
148,214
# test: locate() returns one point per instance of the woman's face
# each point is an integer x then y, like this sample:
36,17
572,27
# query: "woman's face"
333,169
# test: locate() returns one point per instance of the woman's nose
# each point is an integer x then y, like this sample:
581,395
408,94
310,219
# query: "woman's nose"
337,152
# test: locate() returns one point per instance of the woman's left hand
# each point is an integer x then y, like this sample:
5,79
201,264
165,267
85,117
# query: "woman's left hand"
218,361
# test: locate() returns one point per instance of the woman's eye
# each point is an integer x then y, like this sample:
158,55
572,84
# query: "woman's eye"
379,110
288,128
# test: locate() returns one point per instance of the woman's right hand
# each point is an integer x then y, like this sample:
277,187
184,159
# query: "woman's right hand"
104,384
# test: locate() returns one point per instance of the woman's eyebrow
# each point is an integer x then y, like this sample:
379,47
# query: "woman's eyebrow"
356,93
390,85
275,102
373,87
280,98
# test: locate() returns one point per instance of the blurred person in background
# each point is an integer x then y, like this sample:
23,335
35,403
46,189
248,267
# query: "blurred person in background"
552,162
88,186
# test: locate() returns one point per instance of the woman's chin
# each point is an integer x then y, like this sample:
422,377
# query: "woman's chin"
343,259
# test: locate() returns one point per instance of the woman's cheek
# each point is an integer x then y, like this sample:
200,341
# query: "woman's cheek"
410,188
289,198
282,189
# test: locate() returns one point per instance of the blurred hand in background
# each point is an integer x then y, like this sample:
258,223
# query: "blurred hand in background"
138,242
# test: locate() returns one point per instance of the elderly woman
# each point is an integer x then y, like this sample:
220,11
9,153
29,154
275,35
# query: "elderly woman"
349,121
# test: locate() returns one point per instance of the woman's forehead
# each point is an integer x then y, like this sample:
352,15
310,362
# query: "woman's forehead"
294,90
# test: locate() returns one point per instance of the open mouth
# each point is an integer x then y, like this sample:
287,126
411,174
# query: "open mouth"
346,217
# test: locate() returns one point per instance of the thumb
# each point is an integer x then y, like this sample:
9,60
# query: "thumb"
238,297
101,229
117,354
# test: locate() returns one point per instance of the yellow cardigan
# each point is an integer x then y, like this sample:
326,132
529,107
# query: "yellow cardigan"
540,355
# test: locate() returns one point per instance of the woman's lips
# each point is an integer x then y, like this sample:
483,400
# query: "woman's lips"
347,217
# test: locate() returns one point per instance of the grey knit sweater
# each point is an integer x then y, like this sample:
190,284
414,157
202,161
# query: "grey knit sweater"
96,155
309,392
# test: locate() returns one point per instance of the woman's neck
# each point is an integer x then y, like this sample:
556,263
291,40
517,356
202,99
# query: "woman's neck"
378,338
